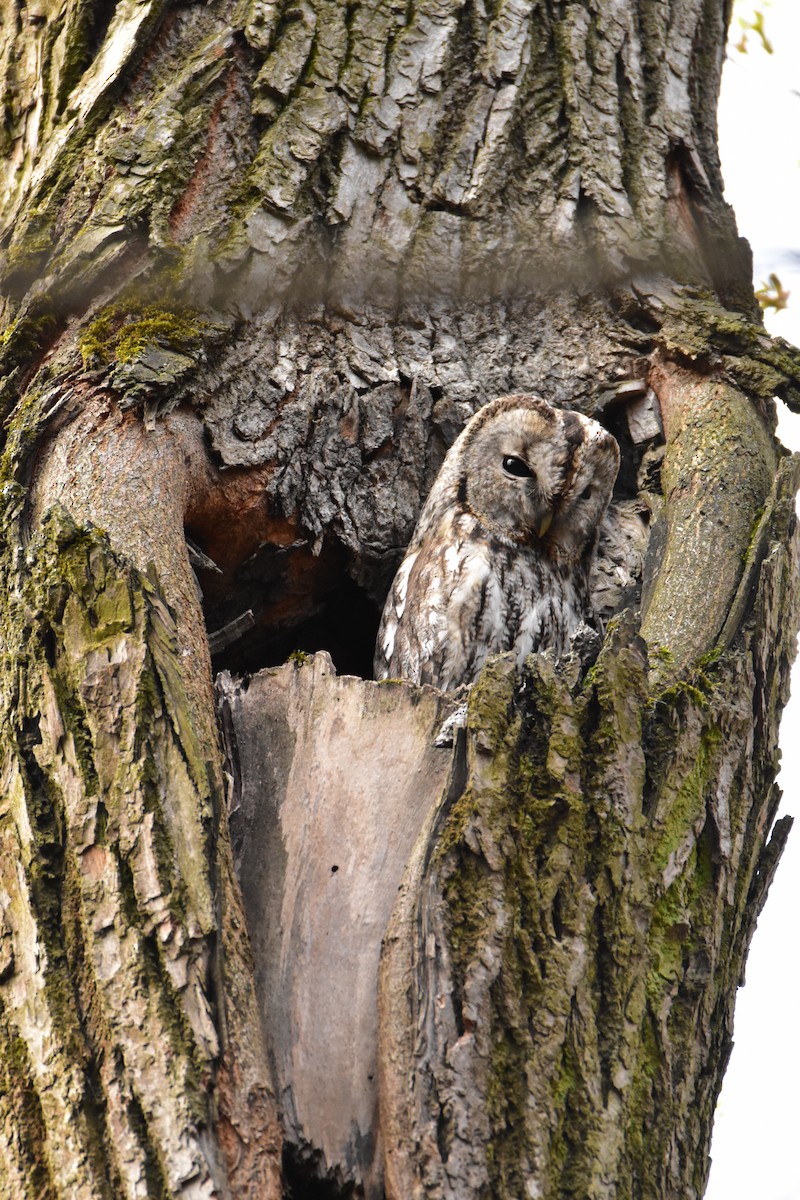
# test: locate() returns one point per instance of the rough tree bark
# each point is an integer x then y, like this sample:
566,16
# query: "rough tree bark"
261,262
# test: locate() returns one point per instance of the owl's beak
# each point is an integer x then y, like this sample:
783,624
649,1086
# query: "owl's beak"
544,524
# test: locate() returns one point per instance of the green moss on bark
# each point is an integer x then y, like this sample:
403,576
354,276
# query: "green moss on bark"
22,1119
121,333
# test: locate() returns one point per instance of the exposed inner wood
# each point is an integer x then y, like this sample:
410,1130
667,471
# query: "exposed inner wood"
335,780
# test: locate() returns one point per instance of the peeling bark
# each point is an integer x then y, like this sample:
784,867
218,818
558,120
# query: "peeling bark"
260,264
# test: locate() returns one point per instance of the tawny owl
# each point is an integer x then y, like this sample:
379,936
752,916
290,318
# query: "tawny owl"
500,557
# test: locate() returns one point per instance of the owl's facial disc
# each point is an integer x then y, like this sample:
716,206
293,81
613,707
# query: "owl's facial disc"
535,512
513,471
518,468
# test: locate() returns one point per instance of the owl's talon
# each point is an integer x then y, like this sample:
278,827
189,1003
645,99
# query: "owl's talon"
457,720
585,643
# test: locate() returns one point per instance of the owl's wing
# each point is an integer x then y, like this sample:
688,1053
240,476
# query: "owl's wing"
427,633
412,627
386,665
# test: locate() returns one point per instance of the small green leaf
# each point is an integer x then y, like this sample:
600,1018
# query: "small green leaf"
773,294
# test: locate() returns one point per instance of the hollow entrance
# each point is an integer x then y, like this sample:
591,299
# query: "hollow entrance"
267,595
303,1183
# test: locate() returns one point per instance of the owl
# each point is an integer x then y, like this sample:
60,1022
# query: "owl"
501,555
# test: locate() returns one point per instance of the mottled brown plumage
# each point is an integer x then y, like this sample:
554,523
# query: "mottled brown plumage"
500,557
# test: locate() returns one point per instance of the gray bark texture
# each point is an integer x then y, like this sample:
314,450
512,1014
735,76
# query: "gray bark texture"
260,263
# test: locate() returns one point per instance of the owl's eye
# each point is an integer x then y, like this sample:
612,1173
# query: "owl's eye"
516,466
586,493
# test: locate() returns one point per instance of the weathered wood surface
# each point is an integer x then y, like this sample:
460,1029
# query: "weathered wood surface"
333,780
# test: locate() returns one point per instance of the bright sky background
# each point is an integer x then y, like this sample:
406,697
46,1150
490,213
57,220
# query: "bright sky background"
755,1150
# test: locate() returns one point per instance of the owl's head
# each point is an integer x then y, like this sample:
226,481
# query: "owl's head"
536,475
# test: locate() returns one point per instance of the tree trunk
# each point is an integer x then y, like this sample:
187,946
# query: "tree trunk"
261,263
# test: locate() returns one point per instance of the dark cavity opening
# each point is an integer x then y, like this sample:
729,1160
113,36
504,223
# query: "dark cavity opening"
268,602
302,1182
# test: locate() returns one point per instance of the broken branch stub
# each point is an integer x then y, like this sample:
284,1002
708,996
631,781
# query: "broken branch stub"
333,780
